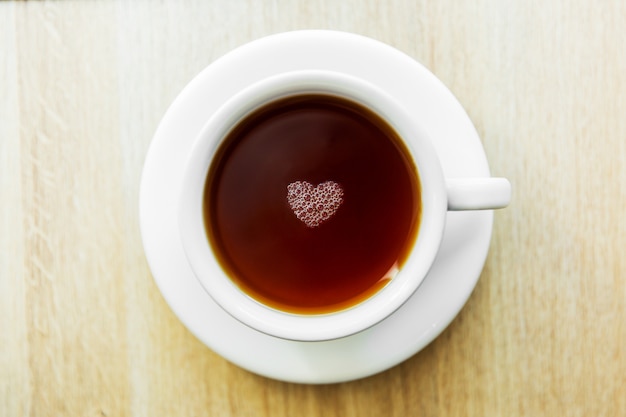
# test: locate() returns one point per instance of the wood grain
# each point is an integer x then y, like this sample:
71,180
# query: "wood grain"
84,330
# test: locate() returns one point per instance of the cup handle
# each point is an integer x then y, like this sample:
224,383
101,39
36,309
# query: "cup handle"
478,193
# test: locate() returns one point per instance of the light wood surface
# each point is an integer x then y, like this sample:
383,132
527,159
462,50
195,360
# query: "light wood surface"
83,328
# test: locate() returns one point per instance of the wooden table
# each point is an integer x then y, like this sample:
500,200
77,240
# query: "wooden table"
84,330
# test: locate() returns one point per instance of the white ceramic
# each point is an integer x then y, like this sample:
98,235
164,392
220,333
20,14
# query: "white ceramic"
425,314
434,204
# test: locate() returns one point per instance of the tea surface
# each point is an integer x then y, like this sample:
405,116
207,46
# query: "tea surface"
312,204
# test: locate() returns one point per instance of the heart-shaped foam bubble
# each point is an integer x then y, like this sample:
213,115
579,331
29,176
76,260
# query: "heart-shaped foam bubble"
314,205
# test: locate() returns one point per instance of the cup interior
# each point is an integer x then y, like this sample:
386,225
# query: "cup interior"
311,327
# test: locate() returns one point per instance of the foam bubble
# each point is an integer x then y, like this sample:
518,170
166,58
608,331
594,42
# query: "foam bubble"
314,205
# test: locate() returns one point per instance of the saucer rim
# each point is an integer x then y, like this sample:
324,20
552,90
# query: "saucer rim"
152,225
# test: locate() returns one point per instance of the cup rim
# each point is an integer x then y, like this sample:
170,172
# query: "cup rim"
310,327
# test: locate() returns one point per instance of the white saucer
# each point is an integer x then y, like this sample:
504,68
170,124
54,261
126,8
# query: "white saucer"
447,286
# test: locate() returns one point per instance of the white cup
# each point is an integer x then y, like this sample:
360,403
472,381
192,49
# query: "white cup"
438,195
